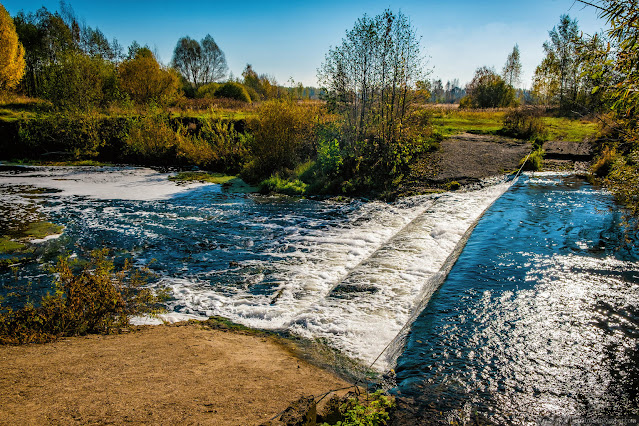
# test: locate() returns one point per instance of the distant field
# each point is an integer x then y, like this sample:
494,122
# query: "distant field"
451,121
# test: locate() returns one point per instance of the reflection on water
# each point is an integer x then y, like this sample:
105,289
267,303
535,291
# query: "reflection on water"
538,319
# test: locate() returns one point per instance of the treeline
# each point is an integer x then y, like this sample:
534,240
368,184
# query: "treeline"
75,66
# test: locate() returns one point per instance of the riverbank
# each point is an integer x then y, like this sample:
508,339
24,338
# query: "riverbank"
179,374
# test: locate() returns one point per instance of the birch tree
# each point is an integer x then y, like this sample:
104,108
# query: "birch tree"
371,76
512,70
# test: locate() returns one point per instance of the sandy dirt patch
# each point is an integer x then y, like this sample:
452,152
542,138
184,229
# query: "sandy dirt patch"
157,375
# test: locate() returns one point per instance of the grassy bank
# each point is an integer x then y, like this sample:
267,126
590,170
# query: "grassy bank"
278,146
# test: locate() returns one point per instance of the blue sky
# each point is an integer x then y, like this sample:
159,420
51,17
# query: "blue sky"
288,39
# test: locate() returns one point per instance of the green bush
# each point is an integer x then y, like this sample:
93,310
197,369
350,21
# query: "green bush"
488,90
283,186
623,178
232,90
603,164
208,90
535,161
329,157
230,149
152,141
93,299
524,123
284,136
453,186
374,412
62,134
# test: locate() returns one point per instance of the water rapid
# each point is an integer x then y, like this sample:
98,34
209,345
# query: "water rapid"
348,273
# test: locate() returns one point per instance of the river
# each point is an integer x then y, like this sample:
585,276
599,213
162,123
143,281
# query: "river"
540,304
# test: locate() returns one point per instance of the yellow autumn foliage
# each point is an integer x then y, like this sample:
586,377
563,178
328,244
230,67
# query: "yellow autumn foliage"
144,80
11,53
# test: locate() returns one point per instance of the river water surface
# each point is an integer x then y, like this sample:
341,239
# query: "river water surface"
538,319
538,316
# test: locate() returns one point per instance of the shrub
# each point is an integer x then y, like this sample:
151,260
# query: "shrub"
623,178
284,135
524,123
488,90
374,412
329,157
152,141
603,164
76,135
93,299
208,90
453,186
229,148
535,161
283,186
232,90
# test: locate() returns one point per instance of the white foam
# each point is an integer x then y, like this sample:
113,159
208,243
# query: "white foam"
160,319
108,183
387,251
45,239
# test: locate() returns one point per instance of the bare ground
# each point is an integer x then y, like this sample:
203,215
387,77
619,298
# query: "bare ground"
465,158
156,375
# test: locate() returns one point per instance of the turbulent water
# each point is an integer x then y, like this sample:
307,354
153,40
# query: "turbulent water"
538,317
537,321
348,273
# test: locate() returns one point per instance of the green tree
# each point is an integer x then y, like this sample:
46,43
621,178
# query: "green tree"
558,75
370,78
77,81
200,62
512,69
144,80
54,44
621,151
214,66
488,90
186,59
12,62
260,86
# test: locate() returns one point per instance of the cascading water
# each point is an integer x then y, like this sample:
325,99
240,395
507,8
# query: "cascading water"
349,273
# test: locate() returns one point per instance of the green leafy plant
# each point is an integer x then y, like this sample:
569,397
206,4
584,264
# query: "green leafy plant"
329,157
535,161
374,412
453,186
283,186
90,299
